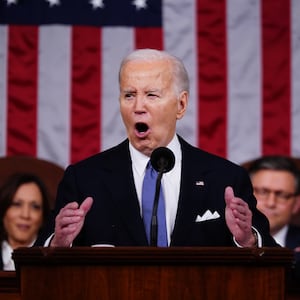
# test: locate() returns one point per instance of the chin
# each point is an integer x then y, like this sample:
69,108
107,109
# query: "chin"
143,147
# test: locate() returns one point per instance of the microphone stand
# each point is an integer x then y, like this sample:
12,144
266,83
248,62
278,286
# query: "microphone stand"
154,225
162,160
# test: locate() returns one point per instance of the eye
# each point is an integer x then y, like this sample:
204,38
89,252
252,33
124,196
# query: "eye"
264,192
152,96
16,203
36,206
129,96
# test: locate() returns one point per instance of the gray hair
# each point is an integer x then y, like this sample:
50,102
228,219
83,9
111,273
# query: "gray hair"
180,75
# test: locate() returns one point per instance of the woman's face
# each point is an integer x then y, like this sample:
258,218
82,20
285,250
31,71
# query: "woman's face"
24,217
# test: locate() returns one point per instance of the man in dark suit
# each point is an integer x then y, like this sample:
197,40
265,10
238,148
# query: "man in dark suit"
209,201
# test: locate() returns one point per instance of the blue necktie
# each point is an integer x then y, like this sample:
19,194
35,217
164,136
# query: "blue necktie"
148,194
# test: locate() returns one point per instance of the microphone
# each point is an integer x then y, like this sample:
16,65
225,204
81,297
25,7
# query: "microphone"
162,160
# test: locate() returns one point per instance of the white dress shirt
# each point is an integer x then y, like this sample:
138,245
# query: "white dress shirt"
7,250
280,236
8,263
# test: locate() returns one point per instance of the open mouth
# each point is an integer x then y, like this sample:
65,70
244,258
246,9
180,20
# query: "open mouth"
141,127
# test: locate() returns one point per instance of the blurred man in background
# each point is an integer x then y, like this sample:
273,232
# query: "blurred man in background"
276,183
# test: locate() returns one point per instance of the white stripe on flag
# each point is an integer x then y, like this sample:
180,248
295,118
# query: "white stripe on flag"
113,51
180,40
244,80
54,94
295,78
3,88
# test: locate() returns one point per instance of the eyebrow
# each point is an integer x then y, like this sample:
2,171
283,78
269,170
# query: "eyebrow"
133,91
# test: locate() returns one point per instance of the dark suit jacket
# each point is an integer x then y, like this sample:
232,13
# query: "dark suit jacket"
293,237
115,215
1,263
292,241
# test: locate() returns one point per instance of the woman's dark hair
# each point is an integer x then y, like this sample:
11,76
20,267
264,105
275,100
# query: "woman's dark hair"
10,187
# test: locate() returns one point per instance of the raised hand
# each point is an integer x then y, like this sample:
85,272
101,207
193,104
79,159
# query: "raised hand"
69,222
239,219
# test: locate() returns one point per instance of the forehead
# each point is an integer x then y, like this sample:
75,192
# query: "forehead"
273,178
138,71
29,189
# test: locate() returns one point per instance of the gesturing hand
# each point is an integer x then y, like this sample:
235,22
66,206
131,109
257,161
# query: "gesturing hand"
239,219
69,222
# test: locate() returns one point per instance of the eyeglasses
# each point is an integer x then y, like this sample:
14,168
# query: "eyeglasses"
280,196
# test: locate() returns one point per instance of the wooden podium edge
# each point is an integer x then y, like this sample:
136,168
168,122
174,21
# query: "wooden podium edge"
152,255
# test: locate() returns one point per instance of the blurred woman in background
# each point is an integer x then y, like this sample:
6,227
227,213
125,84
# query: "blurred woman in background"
24,207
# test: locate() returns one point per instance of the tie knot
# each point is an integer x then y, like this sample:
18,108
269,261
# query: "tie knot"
150,170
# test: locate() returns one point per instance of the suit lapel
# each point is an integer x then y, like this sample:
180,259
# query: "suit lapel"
121,184
192,198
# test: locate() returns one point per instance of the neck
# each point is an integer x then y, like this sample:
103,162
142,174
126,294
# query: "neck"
16,244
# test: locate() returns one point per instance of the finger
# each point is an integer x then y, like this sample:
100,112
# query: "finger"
71,209
66,221
229,194
71,205
86,204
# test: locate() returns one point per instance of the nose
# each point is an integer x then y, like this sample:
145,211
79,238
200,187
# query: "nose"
271,200
25,211
139,105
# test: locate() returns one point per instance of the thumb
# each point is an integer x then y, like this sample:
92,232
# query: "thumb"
229,194
86,204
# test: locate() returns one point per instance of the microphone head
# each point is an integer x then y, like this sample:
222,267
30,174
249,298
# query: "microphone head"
162,159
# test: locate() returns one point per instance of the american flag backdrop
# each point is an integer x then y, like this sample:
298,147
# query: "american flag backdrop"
59,63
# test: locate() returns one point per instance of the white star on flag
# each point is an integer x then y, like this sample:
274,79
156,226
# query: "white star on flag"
53,2
9,2
139,4
97,3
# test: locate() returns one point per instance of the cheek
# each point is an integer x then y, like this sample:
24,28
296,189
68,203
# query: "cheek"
287,211
125,115
10,217
165,114
37,219
8,223
260,205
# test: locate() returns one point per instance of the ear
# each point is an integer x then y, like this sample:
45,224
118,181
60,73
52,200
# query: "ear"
296,209
182,104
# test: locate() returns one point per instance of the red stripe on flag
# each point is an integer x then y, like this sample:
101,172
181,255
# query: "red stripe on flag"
276,77
22,90
212,77
150,37
86,91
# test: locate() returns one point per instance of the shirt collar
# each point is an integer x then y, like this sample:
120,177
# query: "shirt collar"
280,236
8,263
140,160
6,252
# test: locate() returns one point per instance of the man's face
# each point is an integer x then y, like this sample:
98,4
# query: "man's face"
149,105
275,194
